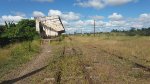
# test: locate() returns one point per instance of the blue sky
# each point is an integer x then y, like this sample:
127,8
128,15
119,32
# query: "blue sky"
79,14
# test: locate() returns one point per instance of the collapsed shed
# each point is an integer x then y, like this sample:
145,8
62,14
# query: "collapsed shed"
50,26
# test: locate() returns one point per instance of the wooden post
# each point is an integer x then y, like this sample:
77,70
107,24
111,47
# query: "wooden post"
94,27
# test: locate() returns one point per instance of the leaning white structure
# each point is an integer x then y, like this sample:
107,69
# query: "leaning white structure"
49,26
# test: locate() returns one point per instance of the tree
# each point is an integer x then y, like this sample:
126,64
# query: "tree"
2,29
23,31
29,35
134,31
26,22
27,30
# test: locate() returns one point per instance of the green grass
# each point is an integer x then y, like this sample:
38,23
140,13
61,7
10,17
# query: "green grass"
16,54
69,63
100,55
131,48
105,66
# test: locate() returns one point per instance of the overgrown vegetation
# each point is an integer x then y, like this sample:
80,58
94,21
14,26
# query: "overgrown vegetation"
102,59
134,32
22,31
107,59
18,44
116,32
12,56
115,57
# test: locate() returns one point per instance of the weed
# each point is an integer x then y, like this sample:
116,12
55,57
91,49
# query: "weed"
16,55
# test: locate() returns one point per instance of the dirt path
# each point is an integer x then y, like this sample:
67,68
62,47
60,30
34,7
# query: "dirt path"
34,66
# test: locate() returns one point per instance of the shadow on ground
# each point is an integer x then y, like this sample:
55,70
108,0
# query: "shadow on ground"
23,77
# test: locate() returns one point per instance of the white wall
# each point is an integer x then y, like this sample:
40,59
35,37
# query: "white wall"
50,32
49,24
37,26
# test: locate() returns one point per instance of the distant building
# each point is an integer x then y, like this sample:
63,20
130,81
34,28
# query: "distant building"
50,26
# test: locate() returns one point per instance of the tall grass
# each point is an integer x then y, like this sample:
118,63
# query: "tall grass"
102,52
99,55
16,54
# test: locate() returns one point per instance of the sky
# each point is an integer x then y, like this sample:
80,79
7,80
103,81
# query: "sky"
79,15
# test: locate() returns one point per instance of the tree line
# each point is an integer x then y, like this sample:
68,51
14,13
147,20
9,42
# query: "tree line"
24,30
134,31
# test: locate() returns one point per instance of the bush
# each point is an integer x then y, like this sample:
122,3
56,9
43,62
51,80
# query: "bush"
16,55
23,31
134,32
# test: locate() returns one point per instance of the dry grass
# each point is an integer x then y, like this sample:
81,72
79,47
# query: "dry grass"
106,59
14,55
102,54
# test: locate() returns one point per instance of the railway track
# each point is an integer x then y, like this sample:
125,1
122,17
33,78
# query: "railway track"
138,65
75,51
92,77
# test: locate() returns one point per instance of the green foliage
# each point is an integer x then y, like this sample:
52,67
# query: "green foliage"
62,37
25,23
26,29
16,55
134,32
23,31
2,29
11,33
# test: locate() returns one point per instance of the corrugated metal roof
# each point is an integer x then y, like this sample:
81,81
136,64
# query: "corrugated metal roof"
53,22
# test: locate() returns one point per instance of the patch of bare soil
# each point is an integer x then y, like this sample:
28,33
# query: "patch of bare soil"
33,67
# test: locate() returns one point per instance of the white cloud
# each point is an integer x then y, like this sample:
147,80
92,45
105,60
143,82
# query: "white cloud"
87,25
54,12
100,23
135,25
44,0
143,21
79,23
117,2
71,16
65,16
97,17
38,14
1,21
31,18
65,23
84,23
120,24
11,18
144,17
74,22
89,22
115,17
18,13
116,23
98,4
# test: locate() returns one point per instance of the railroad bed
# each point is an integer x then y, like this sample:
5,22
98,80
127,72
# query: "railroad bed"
89,63
88,60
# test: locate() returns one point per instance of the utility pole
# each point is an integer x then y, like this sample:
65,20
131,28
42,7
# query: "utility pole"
94,27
